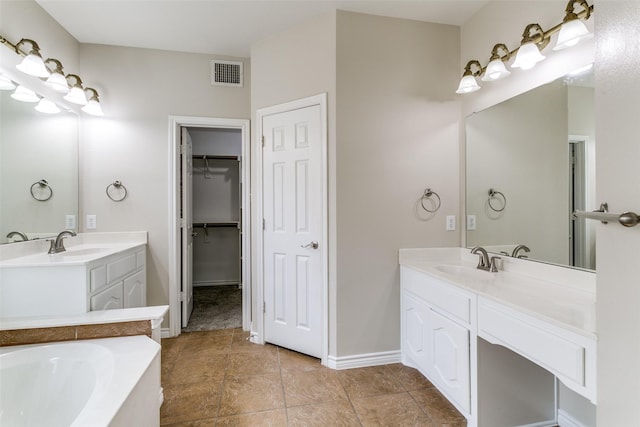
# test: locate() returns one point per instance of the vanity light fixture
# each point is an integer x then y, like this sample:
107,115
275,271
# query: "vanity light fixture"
57,81
32,63
93,105
533,39
468,82
25,95
573,30
52,72
76,94
496,69
47,107
6,83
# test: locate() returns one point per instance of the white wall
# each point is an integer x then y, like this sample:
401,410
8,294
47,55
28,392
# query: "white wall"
140,89
618,156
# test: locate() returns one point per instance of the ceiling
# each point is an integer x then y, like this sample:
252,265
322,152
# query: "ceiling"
224,27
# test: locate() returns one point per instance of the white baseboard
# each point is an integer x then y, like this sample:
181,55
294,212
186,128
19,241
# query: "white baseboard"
165,333
364,360
566,420
549,423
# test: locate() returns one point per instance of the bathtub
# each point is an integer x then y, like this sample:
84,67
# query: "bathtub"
91,383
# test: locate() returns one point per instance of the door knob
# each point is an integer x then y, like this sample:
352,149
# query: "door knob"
312,245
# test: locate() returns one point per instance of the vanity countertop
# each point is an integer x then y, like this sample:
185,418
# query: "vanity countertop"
80,250
562,296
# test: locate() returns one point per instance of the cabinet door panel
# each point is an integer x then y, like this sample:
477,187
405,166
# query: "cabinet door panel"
448,358
415,323
135,290
108,299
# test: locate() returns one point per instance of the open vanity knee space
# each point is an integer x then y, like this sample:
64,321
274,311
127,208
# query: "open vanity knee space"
501,346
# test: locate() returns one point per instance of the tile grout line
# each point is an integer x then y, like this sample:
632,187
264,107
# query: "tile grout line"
284,395
349,399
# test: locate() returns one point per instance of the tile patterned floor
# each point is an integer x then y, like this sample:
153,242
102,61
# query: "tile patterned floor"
218,378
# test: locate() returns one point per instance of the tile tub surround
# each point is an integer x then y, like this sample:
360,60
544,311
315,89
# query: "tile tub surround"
71,333
219,378
94,324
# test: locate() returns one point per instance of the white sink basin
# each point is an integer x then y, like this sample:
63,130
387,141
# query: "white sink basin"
466,272
80,252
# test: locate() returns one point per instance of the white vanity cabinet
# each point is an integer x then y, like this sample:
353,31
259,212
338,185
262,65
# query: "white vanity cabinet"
118,281
435,334
497,344
82,279
571,357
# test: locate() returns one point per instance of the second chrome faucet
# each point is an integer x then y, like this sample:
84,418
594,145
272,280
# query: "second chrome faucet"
57,245
484,263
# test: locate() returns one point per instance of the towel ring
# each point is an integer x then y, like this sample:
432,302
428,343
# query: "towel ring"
493,194
118,186
42,184
428,193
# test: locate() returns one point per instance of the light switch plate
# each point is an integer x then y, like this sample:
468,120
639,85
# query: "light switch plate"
471,222
69,222
91,222
451,222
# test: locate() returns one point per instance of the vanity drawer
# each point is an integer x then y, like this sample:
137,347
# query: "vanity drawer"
542,343
443,297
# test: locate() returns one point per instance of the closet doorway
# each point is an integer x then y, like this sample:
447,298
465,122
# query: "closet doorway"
209,281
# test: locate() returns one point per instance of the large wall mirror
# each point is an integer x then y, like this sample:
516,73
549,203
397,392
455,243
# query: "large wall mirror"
33,147
530,164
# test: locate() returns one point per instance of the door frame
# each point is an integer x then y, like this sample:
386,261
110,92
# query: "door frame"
257,334
175,124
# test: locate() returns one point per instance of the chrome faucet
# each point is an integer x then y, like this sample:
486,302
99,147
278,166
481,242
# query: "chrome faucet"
518,249
484,263
17,233
57,245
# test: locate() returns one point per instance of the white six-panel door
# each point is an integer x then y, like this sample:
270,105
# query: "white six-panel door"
293,229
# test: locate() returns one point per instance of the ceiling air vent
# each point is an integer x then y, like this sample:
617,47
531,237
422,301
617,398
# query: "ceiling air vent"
226,73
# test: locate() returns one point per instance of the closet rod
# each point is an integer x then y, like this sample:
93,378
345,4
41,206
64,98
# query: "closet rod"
214,157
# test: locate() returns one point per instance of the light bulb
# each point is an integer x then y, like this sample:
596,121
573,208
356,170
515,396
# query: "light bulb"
48,107
468,84
25,95
495,71
528,56
571,33
33,65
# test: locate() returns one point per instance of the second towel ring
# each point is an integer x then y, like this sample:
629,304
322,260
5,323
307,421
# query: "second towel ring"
428,193
493,194
118,186
42,184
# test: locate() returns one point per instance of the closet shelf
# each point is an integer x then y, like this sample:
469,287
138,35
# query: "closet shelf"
214,157
207,224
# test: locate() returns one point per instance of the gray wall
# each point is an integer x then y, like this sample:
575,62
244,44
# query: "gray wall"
140,89
393,131
396,134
